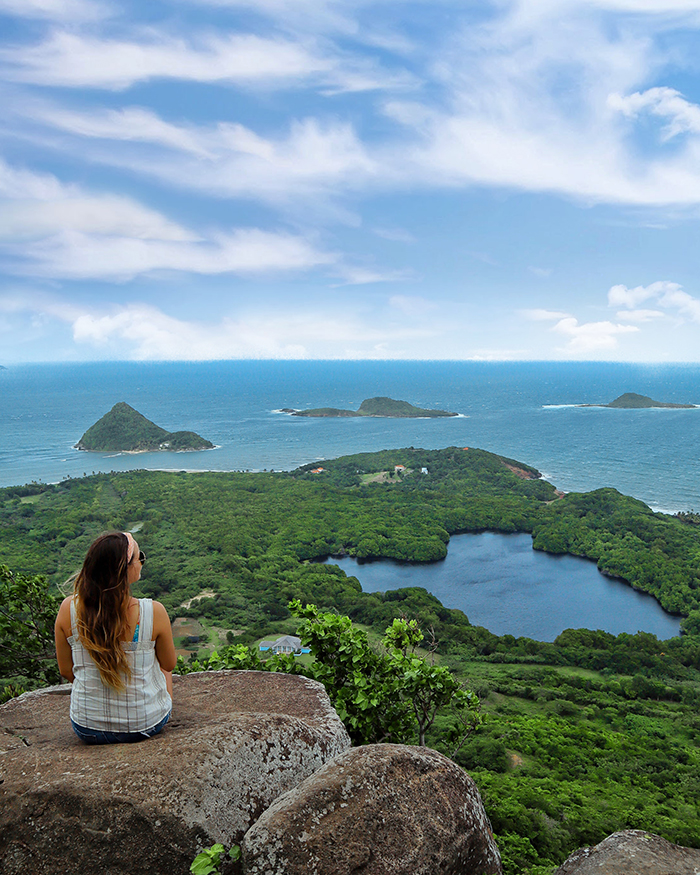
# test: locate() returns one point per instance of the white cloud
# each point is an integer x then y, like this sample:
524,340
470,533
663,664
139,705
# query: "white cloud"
591,337
56,10
76,255
526,104
35,205
133,124
144,332
639,315
664,7
621,296
686,304
94,215
319,15
667,295
538,315
683,116
354,275
59,231
76,60
313,159
543,103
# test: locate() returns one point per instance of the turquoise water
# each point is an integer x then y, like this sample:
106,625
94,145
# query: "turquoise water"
521,410
516,409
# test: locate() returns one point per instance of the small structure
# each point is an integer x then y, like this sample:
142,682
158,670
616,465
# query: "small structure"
424,470
285,644
317,470
399,468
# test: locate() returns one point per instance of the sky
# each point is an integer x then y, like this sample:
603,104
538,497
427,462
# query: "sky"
350,179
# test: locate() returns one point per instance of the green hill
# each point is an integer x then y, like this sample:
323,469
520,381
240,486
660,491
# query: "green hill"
630,400
125,429
380,406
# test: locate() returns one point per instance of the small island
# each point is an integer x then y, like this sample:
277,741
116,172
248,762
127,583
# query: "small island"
632,401
126,430
375,407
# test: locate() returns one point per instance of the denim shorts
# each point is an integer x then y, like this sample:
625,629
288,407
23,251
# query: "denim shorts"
101,736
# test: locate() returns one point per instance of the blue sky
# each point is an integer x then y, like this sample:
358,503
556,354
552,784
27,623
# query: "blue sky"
195,179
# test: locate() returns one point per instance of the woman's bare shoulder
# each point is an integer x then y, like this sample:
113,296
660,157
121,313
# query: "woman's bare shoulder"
63,618
160,615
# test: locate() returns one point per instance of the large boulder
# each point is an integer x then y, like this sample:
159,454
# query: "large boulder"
383,809
632,852
236,741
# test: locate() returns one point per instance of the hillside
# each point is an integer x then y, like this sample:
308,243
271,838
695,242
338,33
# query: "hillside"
581,737
380,406
125,429
633,401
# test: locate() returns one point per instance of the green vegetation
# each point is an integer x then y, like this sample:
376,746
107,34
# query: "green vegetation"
125,429
209,860
566,756
632,401
27,614
582,736
376,407
392,693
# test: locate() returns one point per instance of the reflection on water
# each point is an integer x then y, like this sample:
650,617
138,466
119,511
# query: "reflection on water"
500,582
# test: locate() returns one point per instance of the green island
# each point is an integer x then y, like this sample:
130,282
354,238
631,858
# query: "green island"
124,429
374,407
578,738
632,401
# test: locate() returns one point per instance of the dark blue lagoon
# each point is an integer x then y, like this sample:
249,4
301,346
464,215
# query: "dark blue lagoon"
501,583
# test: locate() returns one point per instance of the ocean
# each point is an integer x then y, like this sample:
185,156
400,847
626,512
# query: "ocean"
524,410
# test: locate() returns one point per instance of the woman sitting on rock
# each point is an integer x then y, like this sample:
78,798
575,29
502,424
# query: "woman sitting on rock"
117,650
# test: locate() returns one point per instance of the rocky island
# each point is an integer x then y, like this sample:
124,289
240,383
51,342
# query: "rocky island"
632,401
380,406
124,429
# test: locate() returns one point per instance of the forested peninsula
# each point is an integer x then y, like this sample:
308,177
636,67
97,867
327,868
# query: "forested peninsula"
580,737
124,429
632,401
379,406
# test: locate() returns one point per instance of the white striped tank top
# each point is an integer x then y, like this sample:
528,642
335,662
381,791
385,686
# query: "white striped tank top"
144,702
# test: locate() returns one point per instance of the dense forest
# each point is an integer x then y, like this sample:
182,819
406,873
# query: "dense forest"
579,737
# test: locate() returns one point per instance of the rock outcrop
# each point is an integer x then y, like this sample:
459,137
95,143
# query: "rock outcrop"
237,741
381,809
632,852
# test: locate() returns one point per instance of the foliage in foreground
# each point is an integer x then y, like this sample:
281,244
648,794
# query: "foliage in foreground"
27,614
382,694
208,861
582,736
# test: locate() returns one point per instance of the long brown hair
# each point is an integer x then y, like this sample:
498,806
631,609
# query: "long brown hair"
102,598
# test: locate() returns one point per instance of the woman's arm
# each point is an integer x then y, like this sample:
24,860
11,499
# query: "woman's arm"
62,632
165,646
